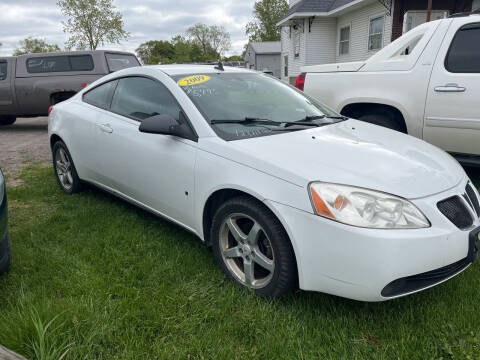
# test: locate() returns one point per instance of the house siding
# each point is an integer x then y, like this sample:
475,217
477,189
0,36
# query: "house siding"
359,22
321,45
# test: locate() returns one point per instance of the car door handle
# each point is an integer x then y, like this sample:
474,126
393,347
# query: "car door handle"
450,88
106,128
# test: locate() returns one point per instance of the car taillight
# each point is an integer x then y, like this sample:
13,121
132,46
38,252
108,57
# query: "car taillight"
84,85
300,84
50,109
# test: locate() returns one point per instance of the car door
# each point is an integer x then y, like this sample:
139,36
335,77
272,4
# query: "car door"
452,115
6,94
154,170
87,116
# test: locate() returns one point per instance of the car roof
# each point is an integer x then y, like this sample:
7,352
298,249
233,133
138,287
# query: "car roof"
180,69
75,52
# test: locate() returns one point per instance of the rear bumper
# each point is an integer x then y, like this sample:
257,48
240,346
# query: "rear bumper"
361,263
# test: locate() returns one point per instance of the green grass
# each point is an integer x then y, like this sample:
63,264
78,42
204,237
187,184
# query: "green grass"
96,278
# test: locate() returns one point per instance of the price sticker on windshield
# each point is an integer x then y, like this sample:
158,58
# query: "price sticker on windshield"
193,80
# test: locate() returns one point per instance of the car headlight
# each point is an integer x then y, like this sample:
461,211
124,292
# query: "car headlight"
365,208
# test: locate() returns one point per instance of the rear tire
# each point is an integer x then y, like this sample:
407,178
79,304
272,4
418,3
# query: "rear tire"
252,247
5,266
383,118
65,170
7,120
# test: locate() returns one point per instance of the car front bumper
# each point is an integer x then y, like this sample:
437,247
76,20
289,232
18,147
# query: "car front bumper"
377,265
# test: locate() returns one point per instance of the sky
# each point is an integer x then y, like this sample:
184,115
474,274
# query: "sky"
144,19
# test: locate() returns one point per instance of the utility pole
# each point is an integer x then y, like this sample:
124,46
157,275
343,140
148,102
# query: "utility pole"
429,10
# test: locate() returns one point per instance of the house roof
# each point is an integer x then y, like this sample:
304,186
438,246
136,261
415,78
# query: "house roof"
266,47
313,7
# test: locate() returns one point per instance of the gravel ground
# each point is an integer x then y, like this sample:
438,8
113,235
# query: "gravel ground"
21,144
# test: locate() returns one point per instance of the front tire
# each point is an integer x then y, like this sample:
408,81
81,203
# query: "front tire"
65,171
252,247
7,120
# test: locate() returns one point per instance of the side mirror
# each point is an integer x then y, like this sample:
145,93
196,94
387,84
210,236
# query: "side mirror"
159,124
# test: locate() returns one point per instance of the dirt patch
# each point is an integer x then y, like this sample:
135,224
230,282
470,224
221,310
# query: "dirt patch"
22,144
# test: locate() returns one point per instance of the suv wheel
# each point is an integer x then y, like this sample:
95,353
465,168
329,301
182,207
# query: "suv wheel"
65,171
252,247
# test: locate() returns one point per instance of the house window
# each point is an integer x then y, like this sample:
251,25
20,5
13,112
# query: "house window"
375,36
285,64
344,47
296,44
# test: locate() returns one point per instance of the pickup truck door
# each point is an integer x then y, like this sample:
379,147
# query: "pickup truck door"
6,94
452,113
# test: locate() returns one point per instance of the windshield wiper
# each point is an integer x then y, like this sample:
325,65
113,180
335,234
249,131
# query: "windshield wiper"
245,121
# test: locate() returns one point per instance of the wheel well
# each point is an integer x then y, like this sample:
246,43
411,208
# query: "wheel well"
58,97
358,110
53,139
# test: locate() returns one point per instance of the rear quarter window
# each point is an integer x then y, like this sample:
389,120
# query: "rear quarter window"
66,63
464,53
117,62
101,95
3,70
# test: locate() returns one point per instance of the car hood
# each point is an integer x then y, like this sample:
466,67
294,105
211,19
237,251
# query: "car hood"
352,153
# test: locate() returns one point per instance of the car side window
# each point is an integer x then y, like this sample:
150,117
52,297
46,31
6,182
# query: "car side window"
3,70
464,54
101,95
140,98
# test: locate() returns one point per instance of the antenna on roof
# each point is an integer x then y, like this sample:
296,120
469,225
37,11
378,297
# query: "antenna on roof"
219,66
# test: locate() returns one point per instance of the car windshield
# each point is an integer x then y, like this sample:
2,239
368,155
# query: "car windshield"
245,105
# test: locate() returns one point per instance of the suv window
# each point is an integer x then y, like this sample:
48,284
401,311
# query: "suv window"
65,63
3,70
140,98
464,54
101,95
120,61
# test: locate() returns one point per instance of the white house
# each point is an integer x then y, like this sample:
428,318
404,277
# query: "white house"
331,31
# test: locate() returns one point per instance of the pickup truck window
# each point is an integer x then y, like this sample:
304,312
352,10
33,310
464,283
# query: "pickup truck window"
120,61
464,54
101,95
49,64
3,70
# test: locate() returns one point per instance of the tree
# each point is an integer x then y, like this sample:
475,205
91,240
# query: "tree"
31,45
155,51
213,40
186,50
92,23
266,14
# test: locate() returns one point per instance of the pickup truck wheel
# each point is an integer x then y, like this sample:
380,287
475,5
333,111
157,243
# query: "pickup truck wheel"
65,171
384,119
252,247
7,120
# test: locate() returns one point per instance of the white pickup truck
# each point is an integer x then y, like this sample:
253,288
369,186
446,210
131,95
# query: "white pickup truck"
426,84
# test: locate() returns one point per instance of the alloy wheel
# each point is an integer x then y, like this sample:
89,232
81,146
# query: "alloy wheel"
247,250
64,168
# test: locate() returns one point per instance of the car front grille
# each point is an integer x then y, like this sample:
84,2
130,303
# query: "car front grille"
473,198
456,211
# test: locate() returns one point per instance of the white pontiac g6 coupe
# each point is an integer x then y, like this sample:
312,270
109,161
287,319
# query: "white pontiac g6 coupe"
287,192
